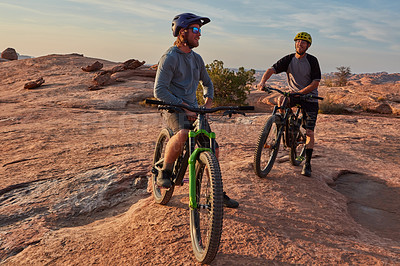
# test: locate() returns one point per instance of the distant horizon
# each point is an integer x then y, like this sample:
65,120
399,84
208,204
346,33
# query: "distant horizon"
23,56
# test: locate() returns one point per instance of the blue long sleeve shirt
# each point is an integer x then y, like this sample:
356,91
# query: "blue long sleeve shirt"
178,76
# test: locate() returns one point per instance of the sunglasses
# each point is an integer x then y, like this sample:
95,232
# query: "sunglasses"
195,30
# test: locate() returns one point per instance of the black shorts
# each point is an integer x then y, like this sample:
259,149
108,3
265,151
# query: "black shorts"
310,111
179,120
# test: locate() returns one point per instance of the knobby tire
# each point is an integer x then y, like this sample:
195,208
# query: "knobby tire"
267,147
206,222
161,196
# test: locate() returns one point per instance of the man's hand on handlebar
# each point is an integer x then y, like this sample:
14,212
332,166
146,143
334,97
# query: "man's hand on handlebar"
260,86
208,104
190,115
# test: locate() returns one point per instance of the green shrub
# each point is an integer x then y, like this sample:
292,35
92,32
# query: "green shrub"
342,75
230,87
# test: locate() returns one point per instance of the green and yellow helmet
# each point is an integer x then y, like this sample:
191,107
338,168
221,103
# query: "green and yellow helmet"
303,36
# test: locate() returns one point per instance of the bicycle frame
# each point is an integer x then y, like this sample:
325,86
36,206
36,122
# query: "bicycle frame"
287,112
205,180
194,154
287,128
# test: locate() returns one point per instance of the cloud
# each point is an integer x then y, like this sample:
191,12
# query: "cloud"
254,26
6,6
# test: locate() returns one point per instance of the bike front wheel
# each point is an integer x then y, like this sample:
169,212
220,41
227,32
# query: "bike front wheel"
267,147
206,219
161,196
298,145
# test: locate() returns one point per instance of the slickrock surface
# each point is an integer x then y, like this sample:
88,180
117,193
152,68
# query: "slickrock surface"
75,163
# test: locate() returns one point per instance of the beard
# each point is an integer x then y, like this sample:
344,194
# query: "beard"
300,51
192,43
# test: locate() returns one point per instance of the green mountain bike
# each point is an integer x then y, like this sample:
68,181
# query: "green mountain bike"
205,182
289,126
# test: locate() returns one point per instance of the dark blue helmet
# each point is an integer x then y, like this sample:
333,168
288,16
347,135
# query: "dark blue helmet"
183,21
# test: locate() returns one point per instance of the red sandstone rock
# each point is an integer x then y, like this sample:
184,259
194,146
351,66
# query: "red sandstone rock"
133,64
70,165
34,84
9,54
103,78
93,67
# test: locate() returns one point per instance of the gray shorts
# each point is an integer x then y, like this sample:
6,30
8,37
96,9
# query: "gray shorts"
176,120
179,120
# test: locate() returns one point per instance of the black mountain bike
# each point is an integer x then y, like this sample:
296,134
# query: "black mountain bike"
289,126
205,182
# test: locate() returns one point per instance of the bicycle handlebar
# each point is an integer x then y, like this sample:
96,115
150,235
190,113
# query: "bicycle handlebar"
201,109
287,94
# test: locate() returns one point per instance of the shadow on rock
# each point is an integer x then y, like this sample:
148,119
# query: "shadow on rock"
372,203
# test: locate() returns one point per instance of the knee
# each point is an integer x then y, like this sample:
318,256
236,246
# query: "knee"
182,134
280,100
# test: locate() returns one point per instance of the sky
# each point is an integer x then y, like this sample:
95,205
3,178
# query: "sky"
361,34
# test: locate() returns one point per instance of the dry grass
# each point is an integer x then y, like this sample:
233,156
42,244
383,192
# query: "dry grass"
328,106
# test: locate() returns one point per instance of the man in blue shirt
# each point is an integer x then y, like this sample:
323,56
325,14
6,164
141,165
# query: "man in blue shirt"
179,72
303,75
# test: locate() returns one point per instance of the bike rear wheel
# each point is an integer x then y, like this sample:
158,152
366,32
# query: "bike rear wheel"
206,219
161,196
298,145
267,147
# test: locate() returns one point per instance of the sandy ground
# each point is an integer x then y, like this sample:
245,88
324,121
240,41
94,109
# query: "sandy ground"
75,165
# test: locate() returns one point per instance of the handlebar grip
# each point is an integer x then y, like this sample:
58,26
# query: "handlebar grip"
317,97
246,107
149,101
266,89
305,96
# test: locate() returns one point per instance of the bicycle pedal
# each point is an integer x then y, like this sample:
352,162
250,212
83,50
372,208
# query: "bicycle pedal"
162,188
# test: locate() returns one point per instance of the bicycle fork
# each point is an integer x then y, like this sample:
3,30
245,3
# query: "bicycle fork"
194,154
280,124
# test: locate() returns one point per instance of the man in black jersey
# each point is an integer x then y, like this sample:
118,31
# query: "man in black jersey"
303,75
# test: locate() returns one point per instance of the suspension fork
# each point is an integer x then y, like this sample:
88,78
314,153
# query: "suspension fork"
194,154
283,123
